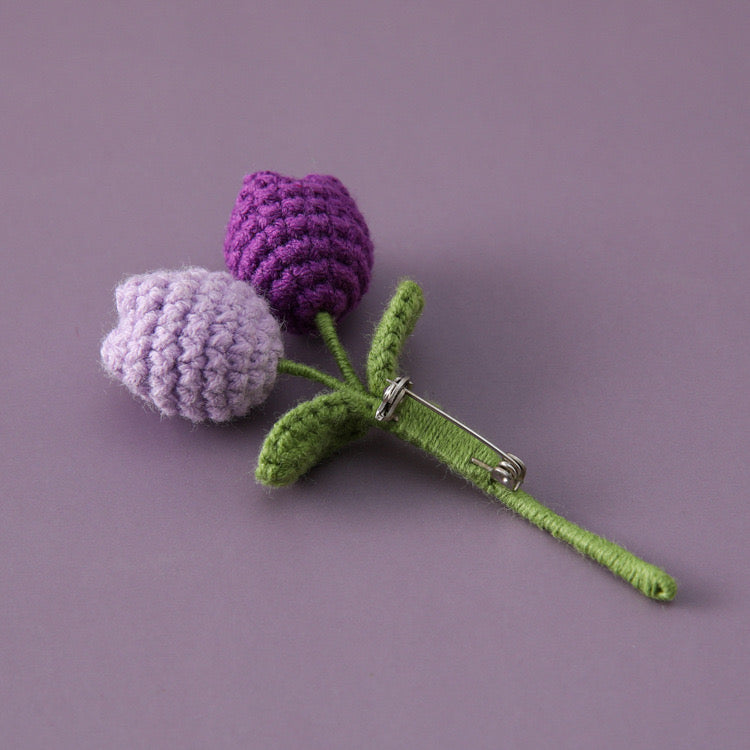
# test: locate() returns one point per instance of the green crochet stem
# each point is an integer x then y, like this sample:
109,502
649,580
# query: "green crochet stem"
327,328
315,429
422,427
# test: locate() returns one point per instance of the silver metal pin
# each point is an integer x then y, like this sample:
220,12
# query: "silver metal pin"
510,470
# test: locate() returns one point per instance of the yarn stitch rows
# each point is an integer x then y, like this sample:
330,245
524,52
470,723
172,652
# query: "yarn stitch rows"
204,345
303,244
193,342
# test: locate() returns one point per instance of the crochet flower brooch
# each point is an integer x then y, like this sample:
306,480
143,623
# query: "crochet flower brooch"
207,346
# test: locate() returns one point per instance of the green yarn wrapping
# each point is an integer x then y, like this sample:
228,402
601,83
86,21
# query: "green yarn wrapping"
423,428
327,329
315,429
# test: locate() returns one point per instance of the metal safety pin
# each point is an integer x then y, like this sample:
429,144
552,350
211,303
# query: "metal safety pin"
510,471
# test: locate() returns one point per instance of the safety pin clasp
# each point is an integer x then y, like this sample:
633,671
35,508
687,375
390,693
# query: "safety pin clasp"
393,395
510,470
509,473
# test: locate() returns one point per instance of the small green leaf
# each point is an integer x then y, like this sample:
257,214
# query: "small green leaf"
395,326
309,433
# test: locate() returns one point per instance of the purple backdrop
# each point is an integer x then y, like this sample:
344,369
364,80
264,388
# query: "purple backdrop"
569,182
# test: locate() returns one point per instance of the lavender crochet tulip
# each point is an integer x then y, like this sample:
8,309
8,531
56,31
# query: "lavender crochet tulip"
193,342
303,244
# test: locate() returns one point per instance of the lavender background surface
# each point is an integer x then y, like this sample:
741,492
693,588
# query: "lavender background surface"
569,182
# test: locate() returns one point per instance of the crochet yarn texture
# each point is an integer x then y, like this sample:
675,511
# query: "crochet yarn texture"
303,245
193,342
315,429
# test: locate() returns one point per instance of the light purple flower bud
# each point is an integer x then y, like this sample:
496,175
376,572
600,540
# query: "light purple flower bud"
193,342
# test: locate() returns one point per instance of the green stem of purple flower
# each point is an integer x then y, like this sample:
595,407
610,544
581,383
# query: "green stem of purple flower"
327,329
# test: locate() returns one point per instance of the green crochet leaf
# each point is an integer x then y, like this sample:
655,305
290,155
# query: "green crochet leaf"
395,326
309,433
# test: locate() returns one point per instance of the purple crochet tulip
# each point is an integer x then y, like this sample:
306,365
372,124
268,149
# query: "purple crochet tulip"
193,342
303,244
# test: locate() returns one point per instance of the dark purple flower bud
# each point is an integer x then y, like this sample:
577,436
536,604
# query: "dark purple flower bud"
302,244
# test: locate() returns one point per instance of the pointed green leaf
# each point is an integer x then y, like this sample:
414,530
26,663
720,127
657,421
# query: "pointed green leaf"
309,433
395,326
